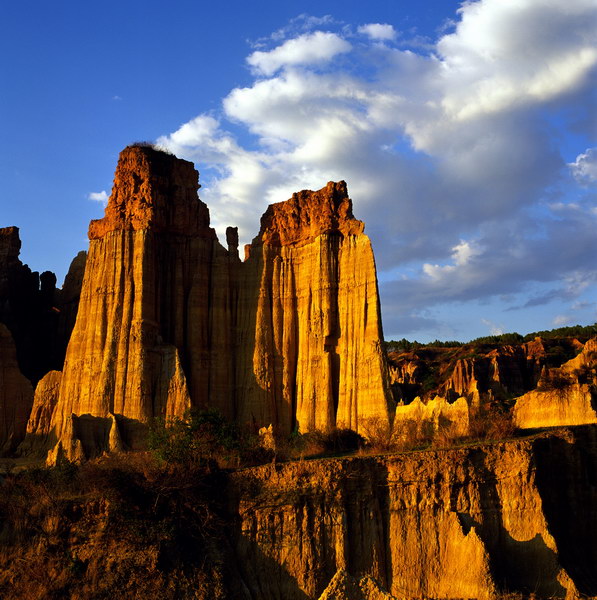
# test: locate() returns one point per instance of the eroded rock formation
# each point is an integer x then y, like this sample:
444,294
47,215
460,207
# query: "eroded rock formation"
317,359
473,522
502,372
478,374
26,308
34,331
344,586
541,395
426,419
513,519
565,395
169,319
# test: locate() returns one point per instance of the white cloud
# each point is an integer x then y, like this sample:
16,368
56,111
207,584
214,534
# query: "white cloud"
378,31
560,320
462,254
301,24
98,196
437,147
308,49
494,329
507,54
584,168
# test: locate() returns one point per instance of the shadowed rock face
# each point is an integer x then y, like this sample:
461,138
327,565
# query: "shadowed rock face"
498,373
39,316
16,395
169,319
509,370
36,319
26,308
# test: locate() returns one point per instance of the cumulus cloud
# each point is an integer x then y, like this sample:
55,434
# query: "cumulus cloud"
98,196
584,168
378,31
307,49
451,154
502,54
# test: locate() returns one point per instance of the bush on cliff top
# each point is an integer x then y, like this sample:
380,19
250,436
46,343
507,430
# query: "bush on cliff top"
202,437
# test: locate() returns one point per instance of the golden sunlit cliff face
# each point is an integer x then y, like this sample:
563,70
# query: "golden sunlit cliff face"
169,319
317,359
471,522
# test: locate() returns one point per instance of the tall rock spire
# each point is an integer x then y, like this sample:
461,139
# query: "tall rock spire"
317,360
145,297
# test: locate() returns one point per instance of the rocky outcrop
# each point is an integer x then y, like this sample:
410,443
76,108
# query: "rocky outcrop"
476,522
420,419
46,397
169,319
26,302
502,372
16,395
68,302
34,331
565,395
39,316
344,586
479,372
145,300
10,248
513,519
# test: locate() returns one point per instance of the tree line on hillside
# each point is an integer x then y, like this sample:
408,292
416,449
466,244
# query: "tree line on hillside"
581,332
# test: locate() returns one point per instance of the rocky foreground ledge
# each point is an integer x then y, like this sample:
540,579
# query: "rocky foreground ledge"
483,521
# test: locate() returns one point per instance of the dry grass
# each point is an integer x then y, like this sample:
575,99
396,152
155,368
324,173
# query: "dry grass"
491,424
159,528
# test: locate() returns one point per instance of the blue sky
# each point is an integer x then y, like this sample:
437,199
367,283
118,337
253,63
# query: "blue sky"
466,133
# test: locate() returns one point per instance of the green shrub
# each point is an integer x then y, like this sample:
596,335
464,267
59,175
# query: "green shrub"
199,437
318,443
